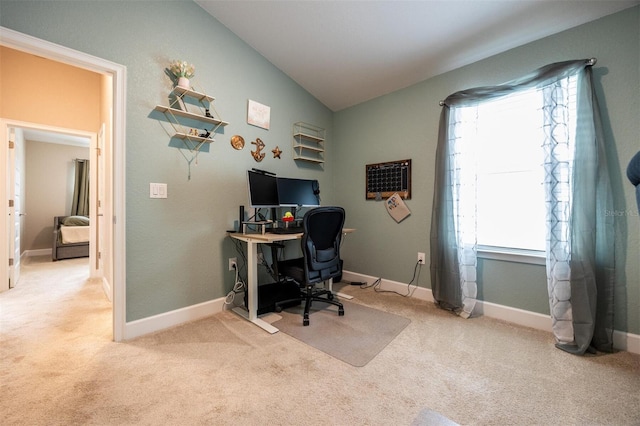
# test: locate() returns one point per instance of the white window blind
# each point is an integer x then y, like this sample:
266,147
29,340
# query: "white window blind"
508,138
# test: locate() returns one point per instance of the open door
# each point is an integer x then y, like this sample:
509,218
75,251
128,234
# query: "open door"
100,246
14,175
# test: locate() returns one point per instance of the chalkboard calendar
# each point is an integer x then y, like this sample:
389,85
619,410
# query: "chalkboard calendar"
385,179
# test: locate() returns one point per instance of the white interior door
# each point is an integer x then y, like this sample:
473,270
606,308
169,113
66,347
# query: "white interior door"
14,172
100,201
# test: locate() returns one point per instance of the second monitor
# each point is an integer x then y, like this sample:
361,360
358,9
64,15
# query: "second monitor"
298,192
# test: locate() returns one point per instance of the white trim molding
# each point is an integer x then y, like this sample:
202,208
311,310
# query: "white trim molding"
506,254
173,318
622,340
37,252
117,214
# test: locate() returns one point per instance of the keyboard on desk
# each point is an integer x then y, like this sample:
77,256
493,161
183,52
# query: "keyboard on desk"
289,230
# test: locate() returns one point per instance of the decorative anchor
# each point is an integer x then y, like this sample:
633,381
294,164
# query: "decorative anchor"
257,155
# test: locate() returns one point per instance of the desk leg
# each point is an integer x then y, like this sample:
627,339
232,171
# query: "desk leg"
341,295
252,291
252,278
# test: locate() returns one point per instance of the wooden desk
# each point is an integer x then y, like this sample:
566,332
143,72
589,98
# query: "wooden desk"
252,241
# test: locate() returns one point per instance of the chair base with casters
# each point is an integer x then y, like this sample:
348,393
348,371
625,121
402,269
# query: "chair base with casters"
309,294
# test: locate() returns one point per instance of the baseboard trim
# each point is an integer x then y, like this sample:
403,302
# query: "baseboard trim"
626,341
106,287
174,318
622,340
38,252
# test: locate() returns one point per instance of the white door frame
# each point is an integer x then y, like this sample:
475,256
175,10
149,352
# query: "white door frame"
16,211
43,48
7,128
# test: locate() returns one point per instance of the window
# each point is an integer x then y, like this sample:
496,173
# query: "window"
507,135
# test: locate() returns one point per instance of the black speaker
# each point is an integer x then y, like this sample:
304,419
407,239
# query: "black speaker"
241,219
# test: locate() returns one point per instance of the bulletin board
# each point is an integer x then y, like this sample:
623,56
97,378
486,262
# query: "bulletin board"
385,179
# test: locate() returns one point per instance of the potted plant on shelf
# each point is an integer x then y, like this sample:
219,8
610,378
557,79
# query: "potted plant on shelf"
183,71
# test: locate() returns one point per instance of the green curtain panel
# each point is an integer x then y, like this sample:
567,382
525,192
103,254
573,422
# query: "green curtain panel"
580,248
80,201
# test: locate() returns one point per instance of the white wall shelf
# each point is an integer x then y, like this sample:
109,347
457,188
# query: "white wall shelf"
308,142
178,112
186,114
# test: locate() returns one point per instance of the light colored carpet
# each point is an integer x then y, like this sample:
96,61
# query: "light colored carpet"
58,366
355,338
428,417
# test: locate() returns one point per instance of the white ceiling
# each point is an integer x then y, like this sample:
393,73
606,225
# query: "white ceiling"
347,52
54,137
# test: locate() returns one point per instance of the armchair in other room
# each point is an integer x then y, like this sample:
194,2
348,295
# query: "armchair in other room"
633,173
321,258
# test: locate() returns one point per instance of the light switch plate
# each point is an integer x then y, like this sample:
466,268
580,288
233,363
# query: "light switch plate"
157,190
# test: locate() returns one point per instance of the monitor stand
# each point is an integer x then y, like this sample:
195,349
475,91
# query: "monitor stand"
261,224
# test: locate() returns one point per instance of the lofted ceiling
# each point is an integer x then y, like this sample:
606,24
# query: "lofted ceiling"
347,52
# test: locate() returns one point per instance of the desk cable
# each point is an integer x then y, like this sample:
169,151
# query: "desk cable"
416,276
238,287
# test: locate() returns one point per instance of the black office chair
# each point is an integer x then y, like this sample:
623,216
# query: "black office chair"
321,261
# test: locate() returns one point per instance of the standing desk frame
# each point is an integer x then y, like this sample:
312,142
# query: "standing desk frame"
252,241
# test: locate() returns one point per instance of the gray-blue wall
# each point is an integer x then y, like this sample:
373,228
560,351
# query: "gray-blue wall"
404,124
176,248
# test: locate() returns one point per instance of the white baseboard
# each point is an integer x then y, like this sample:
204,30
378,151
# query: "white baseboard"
513,315
626,341
621,340
106,286
38,252
170,319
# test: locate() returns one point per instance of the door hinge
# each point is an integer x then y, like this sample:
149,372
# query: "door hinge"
11,261
99,255
10,203
11,144
99,151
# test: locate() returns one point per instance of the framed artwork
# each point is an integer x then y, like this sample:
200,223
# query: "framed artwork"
258,115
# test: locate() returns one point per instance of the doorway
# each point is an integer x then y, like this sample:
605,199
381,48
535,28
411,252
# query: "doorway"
44,168
113,209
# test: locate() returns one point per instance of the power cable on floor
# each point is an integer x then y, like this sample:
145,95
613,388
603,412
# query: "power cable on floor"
416,276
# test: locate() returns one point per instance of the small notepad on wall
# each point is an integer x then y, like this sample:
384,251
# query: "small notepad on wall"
397,209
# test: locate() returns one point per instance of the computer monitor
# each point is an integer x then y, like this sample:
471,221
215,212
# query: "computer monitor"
298,192
263,190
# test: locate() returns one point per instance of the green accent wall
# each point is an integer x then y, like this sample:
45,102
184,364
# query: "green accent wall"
177,248
404,124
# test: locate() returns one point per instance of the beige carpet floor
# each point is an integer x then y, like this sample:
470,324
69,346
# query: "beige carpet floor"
58,366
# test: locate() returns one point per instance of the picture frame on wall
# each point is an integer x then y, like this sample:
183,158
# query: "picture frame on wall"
258,115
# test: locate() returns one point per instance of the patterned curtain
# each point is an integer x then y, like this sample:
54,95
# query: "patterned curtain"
80,201
580,236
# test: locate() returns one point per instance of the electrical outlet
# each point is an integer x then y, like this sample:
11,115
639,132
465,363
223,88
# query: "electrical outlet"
233,261
421,258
